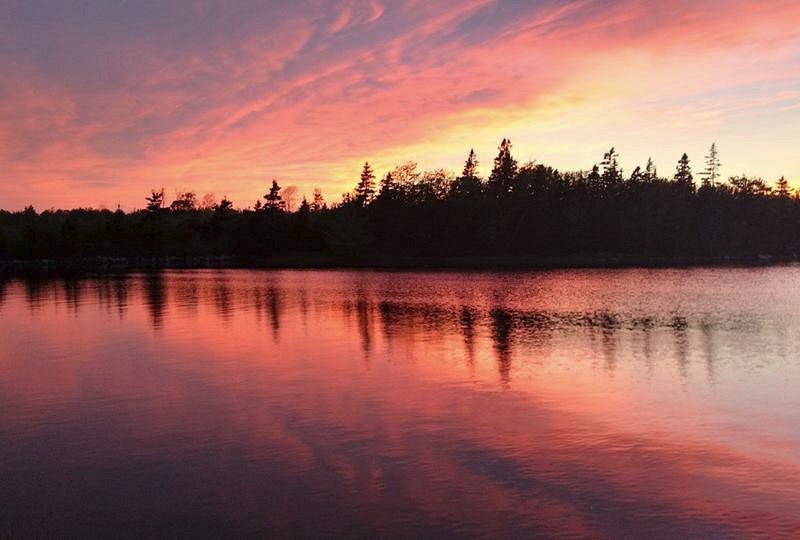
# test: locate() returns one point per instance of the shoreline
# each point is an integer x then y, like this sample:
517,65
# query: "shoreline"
322,262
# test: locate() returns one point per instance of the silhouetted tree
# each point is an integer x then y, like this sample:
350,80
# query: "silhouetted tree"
155,201
683,174
184,202
365,189
388,184
318,202
783,189
468,184
612,173
274,201
594,179
504,170
224,206
650,172
748,186
637,176
531,211
710,175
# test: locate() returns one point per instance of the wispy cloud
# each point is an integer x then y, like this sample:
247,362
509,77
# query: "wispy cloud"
101,101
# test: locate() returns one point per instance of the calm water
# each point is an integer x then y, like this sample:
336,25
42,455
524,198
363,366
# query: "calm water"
579,403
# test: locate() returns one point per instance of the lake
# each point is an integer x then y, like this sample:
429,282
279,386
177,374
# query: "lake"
581,403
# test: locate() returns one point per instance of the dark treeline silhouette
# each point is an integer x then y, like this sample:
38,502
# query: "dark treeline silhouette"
528,210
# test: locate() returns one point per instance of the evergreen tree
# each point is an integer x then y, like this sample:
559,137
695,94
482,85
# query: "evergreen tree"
637,175
155,201
274,201
365,190
650,172
318,202
683,173
471,166
594,179
612,173
224,206
468,183
710,176
504,170
784,191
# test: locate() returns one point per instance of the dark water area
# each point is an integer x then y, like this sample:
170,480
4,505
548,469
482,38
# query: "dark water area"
577,403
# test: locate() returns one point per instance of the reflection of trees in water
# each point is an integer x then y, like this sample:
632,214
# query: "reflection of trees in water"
302,298
467,322
680,333
121,287
707,339
268,300
501,326
223,300
363,312
72,293
155,295
510,337
274,306
34,288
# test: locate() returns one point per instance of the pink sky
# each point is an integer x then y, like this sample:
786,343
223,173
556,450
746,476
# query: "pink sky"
101,101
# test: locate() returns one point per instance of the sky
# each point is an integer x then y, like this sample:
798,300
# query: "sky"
102,100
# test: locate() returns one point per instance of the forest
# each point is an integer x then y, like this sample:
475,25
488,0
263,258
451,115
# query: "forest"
519,211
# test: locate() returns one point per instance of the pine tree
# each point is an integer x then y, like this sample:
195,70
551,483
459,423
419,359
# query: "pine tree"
650,172
637,175
710,175
594,179
365,189
784,191
471,166
504,171
468,183
318,202
274,201
683,173
612,173
224,206
155,201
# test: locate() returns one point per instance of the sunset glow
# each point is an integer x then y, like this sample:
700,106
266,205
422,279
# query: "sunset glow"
102,101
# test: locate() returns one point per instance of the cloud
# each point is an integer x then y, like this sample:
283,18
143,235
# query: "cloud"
172,93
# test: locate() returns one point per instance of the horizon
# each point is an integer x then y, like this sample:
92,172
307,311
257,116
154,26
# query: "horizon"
103,103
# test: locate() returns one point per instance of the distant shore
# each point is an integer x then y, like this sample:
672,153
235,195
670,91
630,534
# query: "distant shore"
318,261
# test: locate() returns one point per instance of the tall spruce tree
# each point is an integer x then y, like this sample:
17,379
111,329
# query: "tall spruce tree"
650,172
710,175
504,170
318,202
683,173
783,189
612,173
365,189
274,201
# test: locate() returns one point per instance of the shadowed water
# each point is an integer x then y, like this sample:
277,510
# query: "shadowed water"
602,403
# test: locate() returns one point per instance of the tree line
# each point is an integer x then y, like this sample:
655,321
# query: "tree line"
528,210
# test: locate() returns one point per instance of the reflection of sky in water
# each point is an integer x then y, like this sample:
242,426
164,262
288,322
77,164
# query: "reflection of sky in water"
591,402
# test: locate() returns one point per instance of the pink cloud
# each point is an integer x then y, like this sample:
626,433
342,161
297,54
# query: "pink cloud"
316,88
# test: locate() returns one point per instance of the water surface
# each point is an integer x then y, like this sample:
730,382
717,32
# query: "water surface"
602,403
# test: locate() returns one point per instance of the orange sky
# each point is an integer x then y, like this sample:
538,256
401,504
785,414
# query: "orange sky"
102,101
